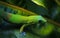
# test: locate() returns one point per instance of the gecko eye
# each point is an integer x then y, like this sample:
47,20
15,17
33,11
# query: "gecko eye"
42,23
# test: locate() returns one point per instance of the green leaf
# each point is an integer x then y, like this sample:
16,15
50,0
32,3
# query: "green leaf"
44,30
40,2
58,2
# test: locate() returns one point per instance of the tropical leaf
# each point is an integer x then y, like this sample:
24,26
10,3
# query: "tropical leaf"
18,10
44,30
40,2
58,2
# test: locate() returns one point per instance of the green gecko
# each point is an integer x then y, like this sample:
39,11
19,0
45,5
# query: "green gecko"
21,16
15,18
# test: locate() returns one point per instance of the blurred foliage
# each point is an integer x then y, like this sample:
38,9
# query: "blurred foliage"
48,8
52,11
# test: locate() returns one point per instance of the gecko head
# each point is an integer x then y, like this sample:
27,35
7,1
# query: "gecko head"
40,21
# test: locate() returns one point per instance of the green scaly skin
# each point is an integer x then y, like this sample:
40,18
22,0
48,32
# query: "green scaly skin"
15,18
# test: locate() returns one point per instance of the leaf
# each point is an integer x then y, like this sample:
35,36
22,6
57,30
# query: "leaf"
58,2
40,2
45,30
